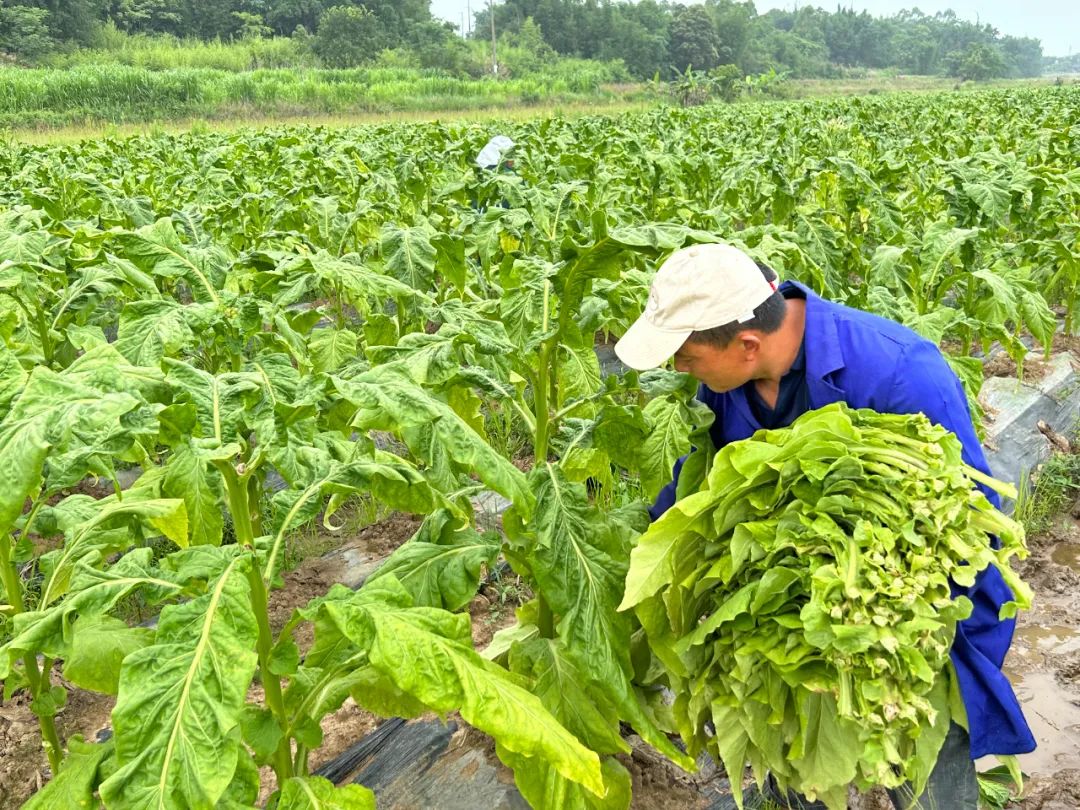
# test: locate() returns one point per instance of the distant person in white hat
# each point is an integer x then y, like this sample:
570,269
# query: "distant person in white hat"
493,159
493,155
765,353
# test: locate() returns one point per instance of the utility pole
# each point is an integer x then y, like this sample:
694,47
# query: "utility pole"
494,53
468,16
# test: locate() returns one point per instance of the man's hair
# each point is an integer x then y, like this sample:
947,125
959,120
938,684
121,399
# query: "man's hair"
768,316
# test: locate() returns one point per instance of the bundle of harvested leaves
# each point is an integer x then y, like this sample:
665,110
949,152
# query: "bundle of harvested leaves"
800,602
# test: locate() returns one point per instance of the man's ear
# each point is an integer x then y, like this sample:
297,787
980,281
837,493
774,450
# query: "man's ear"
751,344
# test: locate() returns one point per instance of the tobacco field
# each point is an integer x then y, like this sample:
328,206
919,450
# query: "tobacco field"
233,336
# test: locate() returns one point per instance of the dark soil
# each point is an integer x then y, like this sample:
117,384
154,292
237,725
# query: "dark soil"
1060,793
492,610
24,767
315,576
658,784
385,536
1066,343
1001,365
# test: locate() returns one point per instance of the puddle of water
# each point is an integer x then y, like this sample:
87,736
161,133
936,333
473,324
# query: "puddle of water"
1068,555
1055,638
1053,713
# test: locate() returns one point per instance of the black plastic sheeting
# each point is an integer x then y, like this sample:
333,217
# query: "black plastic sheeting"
425,764
414,764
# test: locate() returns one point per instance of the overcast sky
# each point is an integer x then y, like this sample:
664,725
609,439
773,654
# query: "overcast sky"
1055,22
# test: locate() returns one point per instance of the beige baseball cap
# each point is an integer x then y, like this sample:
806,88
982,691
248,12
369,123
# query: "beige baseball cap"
697,288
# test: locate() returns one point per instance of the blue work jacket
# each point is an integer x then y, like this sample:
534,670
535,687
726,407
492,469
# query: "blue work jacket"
870,362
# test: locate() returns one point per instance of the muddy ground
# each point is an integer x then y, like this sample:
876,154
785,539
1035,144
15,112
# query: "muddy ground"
1044,666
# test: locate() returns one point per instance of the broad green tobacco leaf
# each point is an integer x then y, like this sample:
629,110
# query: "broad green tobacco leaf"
427,654
889,266
668,439
991,196
586,712
261,732
24,248
316,793
387,399
219,400
92,592
825,754
450,259
331,349
651,566
428,359
107,529
74,786
521,307
1036,315
99,647
361,285
941,243
50,410
601,259
442,564
619,431
543,786
177,717
157,249
409,255
190,474
579,559
152,329
579,374
566,691
12,377
243,792
106,368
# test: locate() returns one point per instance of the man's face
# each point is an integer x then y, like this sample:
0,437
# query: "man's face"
720,369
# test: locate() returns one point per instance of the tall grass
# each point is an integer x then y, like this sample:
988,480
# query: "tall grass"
164,52
124,94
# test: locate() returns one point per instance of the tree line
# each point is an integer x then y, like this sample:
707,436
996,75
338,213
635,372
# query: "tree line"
653,38
658,37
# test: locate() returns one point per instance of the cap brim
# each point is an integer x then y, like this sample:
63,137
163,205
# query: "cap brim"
644,346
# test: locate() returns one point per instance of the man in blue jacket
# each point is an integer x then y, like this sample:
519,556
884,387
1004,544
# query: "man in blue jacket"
767,353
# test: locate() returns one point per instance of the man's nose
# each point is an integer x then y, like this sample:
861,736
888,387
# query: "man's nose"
681,365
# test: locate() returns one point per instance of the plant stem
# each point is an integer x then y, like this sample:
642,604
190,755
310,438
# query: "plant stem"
38,681
282,763
254,486
240,508
300,761
545,620
10,576
540,392
540,408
